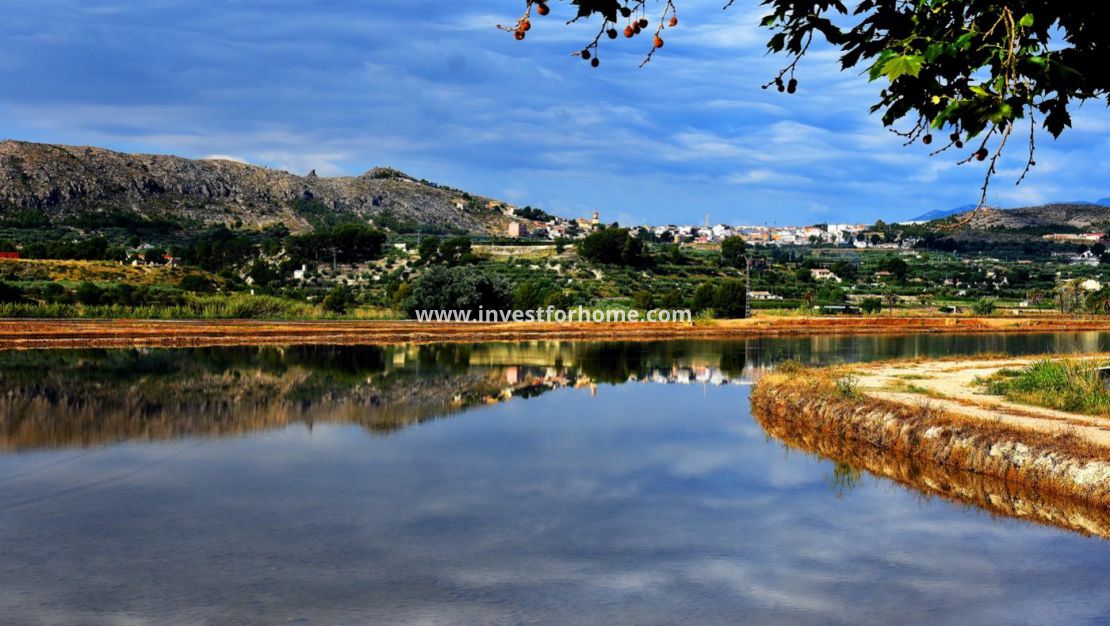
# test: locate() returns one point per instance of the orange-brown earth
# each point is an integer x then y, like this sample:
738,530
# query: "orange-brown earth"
46,333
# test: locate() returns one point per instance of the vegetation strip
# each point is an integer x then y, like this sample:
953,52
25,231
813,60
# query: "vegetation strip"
16,334
830,404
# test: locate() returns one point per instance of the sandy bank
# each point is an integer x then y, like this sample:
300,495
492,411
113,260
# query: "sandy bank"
932,413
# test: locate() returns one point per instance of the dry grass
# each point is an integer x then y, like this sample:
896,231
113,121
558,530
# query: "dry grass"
93,271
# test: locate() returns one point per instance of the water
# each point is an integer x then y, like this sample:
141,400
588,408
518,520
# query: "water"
496,483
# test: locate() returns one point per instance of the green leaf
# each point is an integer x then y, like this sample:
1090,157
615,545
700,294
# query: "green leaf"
1026,20
902,65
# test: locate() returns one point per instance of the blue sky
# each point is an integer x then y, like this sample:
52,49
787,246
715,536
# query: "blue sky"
432,88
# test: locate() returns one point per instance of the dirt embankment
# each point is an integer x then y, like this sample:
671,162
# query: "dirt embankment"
1049,455
47,333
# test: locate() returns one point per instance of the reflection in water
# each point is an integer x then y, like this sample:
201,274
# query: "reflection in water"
58,398
624,483
82,398
967,488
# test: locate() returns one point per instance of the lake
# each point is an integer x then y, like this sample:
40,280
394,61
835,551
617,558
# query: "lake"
540,482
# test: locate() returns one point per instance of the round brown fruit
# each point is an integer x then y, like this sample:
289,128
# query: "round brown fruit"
927,139
542,9
519,35
596,62
586,55
612,32
657,42
643,22
628,32
981,154
792,86
636,28
674,21
526,26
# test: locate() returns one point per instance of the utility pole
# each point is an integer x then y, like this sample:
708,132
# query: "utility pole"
747,286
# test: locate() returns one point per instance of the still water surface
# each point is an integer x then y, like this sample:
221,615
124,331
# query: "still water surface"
555,483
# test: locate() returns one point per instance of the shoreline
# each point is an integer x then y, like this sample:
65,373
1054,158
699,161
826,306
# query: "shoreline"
118,333
1044,454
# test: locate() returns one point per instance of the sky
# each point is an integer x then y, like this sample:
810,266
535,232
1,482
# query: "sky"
434,89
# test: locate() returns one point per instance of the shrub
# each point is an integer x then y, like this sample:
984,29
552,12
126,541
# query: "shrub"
197,283
984,306
89,294
643,300
10,292
338,300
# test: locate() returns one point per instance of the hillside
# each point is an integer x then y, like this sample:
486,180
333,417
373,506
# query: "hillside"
1068,217
66,182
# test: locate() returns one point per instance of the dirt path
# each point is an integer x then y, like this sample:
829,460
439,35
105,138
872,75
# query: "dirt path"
49,333
950,386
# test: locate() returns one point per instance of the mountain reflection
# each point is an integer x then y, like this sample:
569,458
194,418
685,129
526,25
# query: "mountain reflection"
52,399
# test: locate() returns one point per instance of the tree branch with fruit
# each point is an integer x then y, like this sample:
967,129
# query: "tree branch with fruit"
969,70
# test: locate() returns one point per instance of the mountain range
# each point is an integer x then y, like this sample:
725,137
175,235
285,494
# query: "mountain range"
943,213
60,182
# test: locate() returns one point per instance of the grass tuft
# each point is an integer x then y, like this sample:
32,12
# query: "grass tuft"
1065,384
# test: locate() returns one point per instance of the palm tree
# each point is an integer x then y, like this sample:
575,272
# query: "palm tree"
1099,302
891,299
1069,295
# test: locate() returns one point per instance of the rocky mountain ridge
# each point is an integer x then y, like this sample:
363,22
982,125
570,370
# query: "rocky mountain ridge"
62,182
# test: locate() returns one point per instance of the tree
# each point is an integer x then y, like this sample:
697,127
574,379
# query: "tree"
871,306
845,270
731,298
1069,295
338,300
895,266
345,243
704,295
1098,302
457,251
968,70
891,299
429,248
727,298
734,252
612,246
463,288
